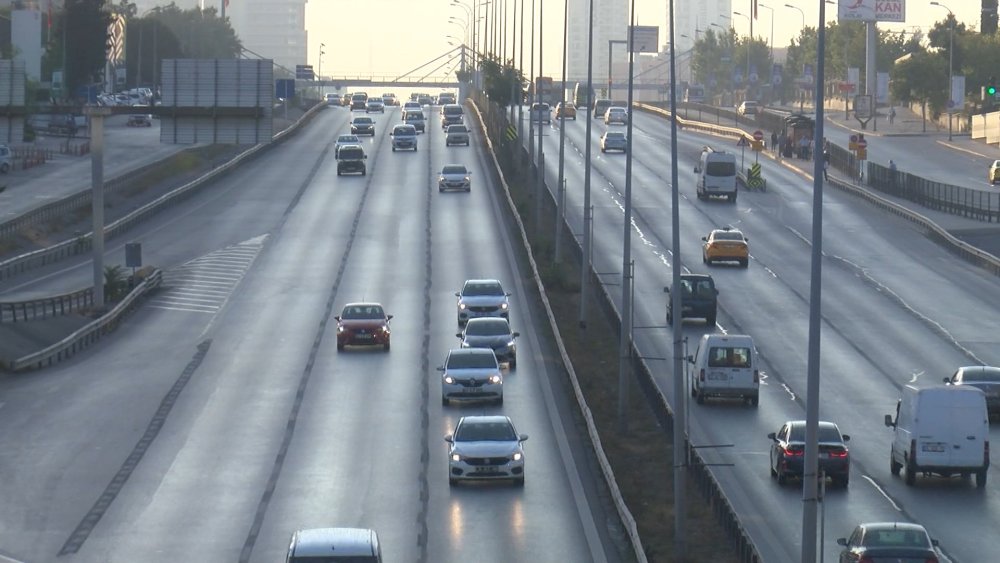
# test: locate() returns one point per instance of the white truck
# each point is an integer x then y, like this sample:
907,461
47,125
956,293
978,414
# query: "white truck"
716,172
943,430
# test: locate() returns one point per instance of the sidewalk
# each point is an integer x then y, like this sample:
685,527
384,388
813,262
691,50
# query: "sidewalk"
906,122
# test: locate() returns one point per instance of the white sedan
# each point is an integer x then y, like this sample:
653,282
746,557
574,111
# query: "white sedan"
485,448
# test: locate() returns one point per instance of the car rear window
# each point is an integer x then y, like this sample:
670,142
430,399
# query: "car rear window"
824,433
453,110
487,327
720,169
457,129
351,153
728,357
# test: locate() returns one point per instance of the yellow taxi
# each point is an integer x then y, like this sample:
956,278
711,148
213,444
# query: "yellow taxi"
725,245
995,172
565,110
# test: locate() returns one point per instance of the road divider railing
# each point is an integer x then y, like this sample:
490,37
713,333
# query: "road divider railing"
495,129
36,309
88,334
81,244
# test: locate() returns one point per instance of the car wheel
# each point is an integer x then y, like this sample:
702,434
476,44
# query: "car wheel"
444,401
340,346
440,189
364,172
519,481
670,318
467,143
782,478
499,402
338,172
513,362
894,467
452,481
468,189
699,397
911,474
843,481
385,347
981,478
732,198
393,149
754,400
602,150
773,472
745,262
710,320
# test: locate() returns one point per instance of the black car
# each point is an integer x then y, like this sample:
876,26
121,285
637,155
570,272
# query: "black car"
699,298
351,158
363,126
788,449
984,378
890,542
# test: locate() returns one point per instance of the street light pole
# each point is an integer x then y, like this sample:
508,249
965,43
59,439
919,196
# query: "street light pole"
951,55
749,43
587,212
801,13
557,257
320,69
770,43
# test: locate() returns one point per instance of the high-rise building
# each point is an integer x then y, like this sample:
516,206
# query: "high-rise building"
272,29
610,23
693,18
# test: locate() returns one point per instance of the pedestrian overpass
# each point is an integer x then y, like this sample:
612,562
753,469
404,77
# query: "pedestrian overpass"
440,76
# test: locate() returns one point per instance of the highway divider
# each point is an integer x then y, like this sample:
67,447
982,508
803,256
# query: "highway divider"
34,309
81,244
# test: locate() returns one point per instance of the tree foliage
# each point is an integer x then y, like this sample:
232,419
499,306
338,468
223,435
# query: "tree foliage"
79,39
500,80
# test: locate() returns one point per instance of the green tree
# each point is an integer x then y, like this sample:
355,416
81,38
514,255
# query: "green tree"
499,79
917,78
84,26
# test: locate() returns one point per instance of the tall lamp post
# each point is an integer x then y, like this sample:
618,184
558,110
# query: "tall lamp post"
801,13
770,43
951,56
749,43
319,74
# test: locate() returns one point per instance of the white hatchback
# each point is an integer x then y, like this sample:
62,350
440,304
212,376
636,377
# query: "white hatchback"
471,374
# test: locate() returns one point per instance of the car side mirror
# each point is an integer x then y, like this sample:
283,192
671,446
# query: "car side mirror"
448,438
515,334
337,318
696,170
458,334
947,380
507,294
690,359
522,437
889,422
842,541
365,157
440,368
388,317
934,542
666,289
458,294
745,239
773,436
704,239
846,437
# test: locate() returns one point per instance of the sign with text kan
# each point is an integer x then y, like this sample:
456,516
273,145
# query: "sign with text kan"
644,38
872,10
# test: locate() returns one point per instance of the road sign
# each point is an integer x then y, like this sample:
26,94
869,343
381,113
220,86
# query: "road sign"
743,142
511,133
646,38
852,143
862,154
757,145
304,72
758,135
284,88
862,143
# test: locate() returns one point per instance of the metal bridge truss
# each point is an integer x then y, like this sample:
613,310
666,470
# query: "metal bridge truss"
452,59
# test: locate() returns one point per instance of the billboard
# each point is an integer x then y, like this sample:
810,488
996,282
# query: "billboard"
26,38
646,38
872,10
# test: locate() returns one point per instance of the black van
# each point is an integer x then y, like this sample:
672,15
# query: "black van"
699,298
351,158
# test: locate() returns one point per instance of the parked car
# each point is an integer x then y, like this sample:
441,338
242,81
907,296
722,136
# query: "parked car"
482,298
891,542
984,378
788,447
492,333
455,177
471,374
485,447
363,324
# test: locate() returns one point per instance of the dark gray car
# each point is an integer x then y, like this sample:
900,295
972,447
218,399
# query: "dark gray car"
493,333
699,298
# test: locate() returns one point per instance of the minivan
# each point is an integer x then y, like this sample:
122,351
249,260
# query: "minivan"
600,106
451,114
351,158
404,136
943,430
725,365
359,101
334,545
716,172
699,298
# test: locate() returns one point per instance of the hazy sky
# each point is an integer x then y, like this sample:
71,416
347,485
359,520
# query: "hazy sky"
390,37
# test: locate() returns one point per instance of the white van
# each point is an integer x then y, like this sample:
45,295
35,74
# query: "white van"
943,430
716,172
332,545
725,365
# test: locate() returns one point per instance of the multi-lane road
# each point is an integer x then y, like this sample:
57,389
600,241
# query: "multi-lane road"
213,433
897,309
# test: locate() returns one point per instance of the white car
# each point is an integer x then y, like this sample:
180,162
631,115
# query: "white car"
332,100
616,114
471,374
482,298
374,105
541,113
344,140
485,448
455,177
412,105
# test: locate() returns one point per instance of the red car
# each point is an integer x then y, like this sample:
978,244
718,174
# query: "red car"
363,324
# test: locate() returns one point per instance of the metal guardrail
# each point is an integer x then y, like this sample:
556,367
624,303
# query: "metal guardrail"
90,333
23,311
497,129
45,256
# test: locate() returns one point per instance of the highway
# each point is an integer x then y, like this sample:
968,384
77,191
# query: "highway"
214,424
897,309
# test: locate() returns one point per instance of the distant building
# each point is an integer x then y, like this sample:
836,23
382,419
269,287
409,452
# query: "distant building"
272,29
610,23
693,18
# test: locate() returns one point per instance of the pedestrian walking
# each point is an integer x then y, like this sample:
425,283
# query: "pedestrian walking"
826,169
892,114
892,175
774,140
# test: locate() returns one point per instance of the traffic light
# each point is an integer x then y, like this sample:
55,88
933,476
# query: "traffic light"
991,88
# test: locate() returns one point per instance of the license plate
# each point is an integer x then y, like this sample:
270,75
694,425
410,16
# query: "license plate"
824,455
363,336
486,469
933,447
718,377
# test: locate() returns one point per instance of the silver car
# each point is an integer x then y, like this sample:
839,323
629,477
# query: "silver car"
455,177
482,298
540,113
614,141
471,374
486,448
494,334
456,135
375,105
616,114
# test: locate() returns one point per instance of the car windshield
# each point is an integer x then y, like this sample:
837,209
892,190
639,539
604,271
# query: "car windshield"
473,289
825,433
735,357
473,360
348,139
614,135
728,235
896,538
454,170
485,432
362,120
363,312
721,168
487,327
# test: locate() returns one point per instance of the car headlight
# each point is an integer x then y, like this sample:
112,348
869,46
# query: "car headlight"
449,379
440,179
456,457
495,379
517,456
510,344
462,306
340,329
385,329
503,306
466,345
466,179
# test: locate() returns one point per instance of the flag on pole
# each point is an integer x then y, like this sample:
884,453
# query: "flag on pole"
754,10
